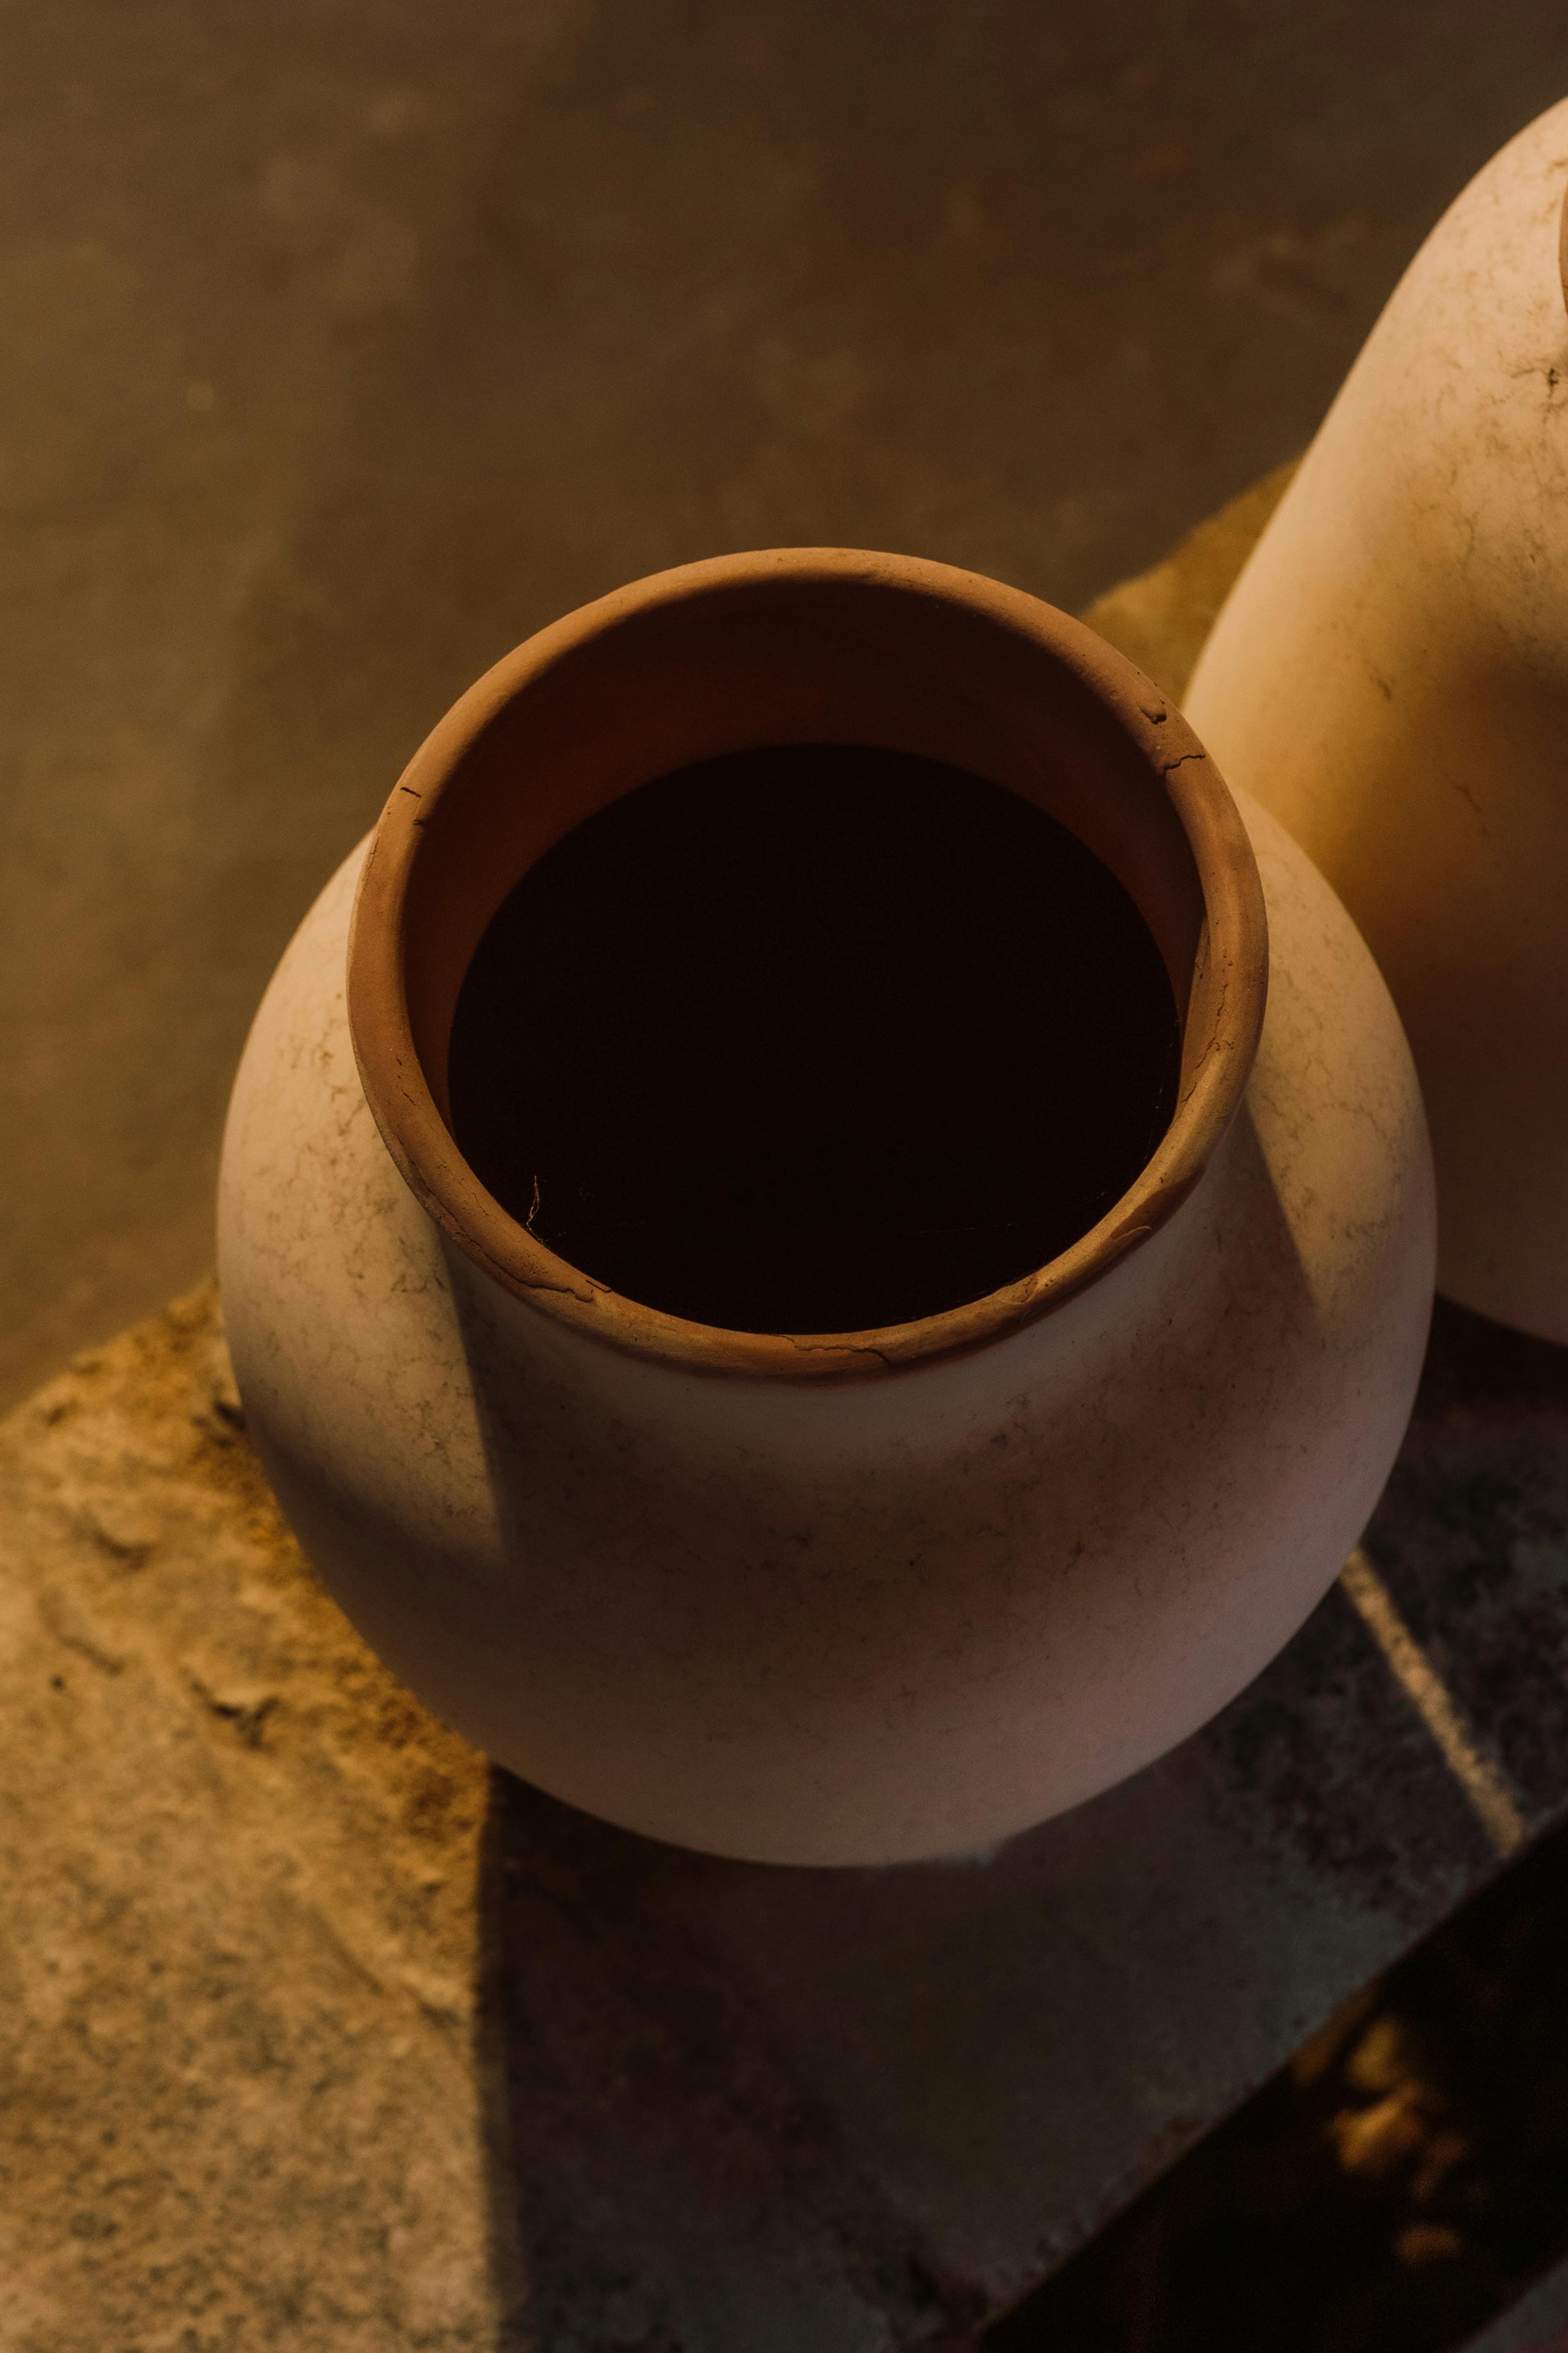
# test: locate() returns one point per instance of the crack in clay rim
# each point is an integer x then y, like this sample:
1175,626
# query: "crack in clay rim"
1223,1018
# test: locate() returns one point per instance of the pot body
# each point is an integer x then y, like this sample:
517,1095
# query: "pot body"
853,1621
1390,676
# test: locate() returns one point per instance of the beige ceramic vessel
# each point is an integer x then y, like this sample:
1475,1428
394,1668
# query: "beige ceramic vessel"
841,1598
1390,677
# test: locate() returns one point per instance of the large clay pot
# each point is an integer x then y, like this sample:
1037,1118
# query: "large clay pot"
1390,677
832,1597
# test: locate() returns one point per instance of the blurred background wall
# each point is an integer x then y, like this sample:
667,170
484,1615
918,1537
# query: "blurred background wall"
343,342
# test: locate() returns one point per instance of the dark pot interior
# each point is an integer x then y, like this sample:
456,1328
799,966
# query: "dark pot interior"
814,1037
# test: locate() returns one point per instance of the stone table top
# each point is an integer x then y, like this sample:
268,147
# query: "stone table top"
317,2034
1538,2323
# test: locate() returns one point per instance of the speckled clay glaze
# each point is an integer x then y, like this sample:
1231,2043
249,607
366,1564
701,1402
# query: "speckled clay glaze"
1390,676
850,1598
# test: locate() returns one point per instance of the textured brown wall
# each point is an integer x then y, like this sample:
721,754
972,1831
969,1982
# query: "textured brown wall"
341,346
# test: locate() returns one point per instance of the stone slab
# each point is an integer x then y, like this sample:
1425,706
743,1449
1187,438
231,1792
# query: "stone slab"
240,2100
317,2034
1538,2323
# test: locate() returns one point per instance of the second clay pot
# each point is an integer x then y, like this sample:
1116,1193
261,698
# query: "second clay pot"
1390,676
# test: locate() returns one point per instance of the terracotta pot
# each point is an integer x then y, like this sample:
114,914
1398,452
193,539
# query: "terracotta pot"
1390,676
831,1598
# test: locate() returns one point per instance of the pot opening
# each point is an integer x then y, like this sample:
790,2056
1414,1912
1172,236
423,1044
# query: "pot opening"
806,963
814,1037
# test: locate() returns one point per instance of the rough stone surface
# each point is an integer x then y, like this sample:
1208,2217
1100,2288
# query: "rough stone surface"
311,2039
1537,2323
239,1957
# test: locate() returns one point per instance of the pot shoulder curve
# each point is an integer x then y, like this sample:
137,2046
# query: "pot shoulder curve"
897,1618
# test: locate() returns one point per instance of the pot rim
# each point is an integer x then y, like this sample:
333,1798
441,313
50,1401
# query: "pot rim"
1223,1019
